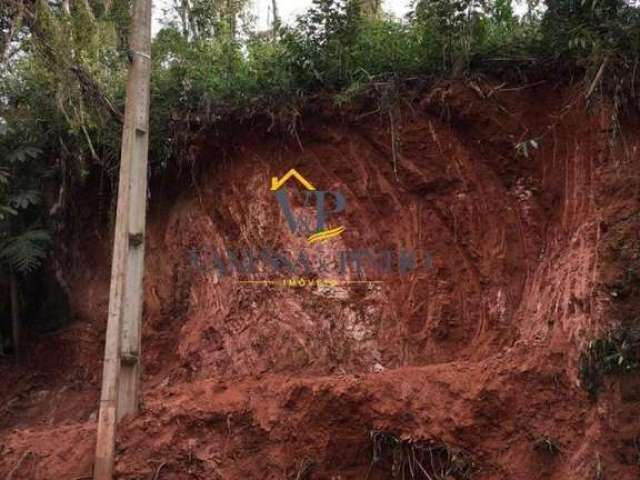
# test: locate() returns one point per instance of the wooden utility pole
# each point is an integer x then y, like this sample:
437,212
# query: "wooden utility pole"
121,371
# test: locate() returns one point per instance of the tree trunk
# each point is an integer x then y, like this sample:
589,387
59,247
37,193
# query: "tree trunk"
15,313
231,18
189,25
276,19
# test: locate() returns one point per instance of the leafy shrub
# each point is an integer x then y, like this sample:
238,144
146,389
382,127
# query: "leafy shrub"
615,352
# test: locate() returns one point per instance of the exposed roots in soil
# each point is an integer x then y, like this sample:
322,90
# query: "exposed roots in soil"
406,459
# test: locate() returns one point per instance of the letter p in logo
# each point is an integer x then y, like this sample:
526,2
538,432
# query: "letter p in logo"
321,206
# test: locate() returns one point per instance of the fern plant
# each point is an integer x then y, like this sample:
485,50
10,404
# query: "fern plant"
22,248
24,253
23,245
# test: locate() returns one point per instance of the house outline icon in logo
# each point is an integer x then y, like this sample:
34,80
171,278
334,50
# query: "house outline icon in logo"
276,183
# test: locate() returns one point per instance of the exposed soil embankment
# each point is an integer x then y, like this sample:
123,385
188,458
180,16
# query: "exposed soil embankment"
521,199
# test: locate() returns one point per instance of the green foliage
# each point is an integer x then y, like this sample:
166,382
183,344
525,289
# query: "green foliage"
204,67
25,253
22,154
502,13
450,28
327,57
23,245
23,199
6,211
214,19
4,177
593,36
615,352
57,91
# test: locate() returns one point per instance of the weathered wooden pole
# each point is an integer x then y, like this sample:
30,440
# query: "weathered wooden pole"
121,370
130,347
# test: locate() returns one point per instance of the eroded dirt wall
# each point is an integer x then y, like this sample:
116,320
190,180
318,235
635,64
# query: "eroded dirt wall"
518,197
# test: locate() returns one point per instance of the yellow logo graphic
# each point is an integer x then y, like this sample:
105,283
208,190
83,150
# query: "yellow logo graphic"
276,184
325,235
321,233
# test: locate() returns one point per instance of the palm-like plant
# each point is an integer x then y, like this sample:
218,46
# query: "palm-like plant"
23,245
25,252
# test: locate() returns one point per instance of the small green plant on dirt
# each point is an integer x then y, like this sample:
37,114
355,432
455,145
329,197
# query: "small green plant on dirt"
406,459
547,446
523,148
615,352
626,285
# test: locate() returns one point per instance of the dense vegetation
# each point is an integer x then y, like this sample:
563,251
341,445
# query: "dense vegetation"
64,63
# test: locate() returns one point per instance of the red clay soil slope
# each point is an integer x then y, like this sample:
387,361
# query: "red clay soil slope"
527,204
